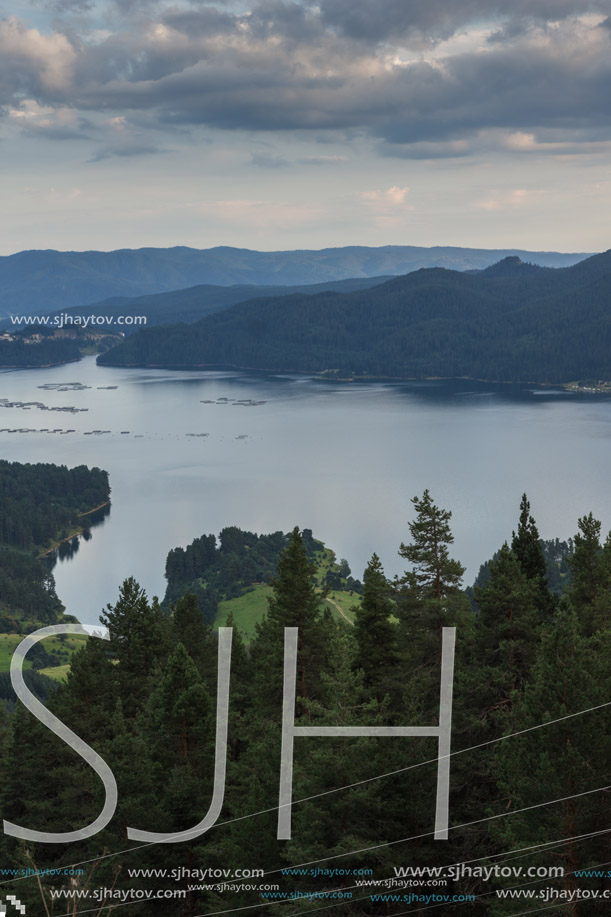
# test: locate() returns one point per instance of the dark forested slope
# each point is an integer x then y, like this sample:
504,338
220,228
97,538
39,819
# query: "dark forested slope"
194,303
511,322
39,505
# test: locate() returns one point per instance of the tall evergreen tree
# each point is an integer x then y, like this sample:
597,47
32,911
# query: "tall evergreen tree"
490,679
137,641
192,630
335,823
526,545
434,574
429,595
375,634
88,699
180,729
590,590
560,761
507,630
296,602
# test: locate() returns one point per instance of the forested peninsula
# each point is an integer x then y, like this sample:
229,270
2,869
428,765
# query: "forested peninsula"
41,505
512,322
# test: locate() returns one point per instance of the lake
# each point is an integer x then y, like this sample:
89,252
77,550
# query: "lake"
279,451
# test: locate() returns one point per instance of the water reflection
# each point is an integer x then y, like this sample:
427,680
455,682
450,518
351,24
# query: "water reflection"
67,549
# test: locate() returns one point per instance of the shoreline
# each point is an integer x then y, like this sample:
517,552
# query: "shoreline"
328,375
95,509
76,532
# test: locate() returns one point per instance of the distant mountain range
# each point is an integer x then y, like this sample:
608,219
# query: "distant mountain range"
196,302
510,322
38,282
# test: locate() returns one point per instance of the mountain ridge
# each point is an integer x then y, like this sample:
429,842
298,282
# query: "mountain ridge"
542,326
189,304
43,281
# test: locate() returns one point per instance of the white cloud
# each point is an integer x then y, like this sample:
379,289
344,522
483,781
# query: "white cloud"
33,116
391,197
520,140
388,207
50,58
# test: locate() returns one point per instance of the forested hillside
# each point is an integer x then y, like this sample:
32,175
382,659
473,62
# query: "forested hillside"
40,346
509,323
241,562
529,763
39,506
47,352
194,303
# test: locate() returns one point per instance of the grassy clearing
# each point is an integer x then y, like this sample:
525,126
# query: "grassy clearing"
251,607
64,649
246,610
8,642
57,673
346,602
325,561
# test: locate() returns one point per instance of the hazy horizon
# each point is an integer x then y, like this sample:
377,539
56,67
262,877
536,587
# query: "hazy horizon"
136,247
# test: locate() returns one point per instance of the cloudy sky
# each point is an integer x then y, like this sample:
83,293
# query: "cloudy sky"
282,124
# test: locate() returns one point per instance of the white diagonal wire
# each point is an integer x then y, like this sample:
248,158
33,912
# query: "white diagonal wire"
346,787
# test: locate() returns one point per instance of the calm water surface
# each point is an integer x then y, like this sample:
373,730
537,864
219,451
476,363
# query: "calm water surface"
343,460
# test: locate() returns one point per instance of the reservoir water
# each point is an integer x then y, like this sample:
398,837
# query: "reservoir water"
189,453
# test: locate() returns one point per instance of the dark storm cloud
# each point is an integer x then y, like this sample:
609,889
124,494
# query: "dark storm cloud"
439,19
200,22
282,17
512,87
55,133
71,6
289,66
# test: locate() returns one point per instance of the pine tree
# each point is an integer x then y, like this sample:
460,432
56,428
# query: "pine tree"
192,630
180,729
87,700
429,598
526,545
429,595
563,760
434,574
336,823
137,641
375,634
295,602
590,590
490,679
179,714
507,631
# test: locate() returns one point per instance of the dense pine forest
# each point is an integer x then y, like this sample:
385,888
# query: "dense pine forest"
46,352
193,303
531,743
40,505
41,346
512,322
